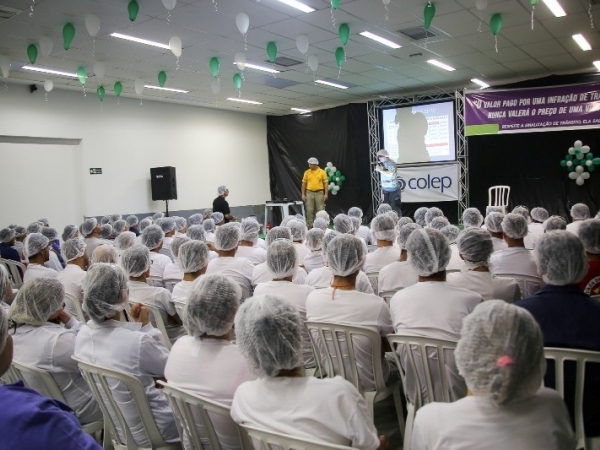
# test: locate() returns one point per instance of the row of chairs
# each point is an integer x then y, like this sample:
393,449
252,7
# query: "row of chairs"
15,270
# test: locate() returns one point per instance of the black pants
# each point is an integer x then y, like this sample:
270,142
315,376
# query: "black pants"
394,199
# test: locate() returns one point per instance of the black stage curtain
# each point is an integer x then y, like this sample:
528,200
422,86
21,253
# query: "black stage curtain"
339,135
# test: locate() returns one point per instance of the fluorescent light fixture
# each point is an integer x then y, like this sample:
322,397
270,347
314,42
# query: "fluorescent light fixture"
50,71
597,64
301,6
264,69
379,39
329,83
483,84
140,41
301,111
585,45
241,100
158,88
441,65
555,8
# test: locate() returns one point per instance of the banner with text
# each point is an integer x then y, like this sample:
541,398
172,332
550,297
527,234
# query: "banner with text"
537,109
429,183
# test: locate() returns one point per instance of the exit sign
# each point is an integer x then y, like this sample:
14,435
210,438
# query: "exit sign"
96,171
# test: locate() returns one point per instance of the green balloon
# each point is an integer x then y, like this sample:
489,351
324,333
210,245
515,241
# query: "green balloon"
589,155
133,8
335,4
428,14
592,168
596,161
100,91
215,66
338,173
569,158
82,75
68,35
343,178
563,163
533,2
340,55
330,178
118,88
577,151
571,168
344,33
237,81
272,51
32,53
496,23
162,78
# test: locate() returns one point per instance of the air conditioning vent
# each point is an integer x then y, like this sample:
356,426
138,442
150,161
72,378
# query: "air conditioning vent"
284,61
7,13
417,33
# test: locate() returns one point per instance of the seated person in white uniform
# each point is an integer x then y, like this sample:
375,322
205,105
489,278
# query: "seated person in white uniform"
342,224
363,231
515,259
218,218
167,224
205,361
120,226
437,223
124,241
501,356
472,218
268,332
193,259
54,262
384,231
136,262
44,337
135,348
451,233
173,271
493,225
579,213
419,216
249,230
181,226
197,233
105,254
536,227
226,243
195,219
314,242
132,223
260,273
399,274
475,247
73,276
20,235
488,211
342,303
37,250
298,230
282,261
554,223
152,238
69,232
209,228
106,232
431,214
323,277
91,230
144,223
433,307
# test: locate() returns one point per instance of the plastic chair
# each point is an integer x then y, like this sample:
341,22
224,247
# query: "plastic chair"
341,347
72,304
246,292
423,344
269,440
170,283
498,196
98,379
155,281
9,377
580,358
374,280
180,308
387,295
15,269
528,284
157,321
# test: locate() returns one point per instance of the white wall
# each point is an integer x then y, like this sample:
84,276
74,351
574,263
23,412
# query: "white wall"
208,147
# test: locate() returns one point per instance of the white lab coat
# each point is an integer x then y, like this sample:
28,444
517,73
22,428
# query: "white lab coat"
397,275
240,269
513,260
302,251
380,258
72,278
499,244
159,264
261,274
173,271
255,255
260,243
323,277
486,285
38,271
93,242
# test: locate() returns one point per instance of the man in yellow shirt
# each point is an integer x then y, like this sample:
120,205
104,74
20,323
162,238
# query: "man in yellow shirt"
314,190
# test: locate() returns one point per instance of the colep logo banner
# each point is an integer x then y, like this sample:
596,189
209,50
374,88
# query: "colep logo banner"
430,183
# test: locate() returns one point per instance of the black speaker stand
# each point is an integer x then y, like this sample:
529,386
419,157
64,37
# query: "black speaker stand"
167,206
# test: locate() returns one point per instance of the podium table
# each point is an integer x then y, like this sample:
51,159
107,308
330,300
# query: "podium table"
285,210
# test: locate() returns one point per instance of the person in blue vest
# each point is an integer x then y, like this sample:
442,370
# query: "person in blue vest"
392,194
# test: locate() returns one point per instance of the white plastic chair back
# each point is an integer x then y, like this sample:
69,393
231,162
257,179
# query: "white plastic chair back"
498,196
387,295
9,377
98,378
73,305
246,293
527,284
155,281
13,270
170,283
157,321
580,358
180,308
373,279
269,440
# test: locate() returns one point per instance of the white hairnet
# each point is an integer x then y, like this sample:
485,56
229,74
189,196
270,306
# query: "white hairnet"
145,223
589,233
282,259
383,228
432,213
167,224
472,218
4,280
158,215
178,241
70,232
209,225
193,256
36,301
105,254
180,223
196,232
491,209
132,220
300,217
34,227
106,231
125,240
326,240
115,218
221,189
212,305
320,223
7,235
119,226
73,249
105,219
267,330
450,232
560,258
20,231
420,216
555,223
522,210
539,214
195,219
514,226
342,224
580,211
392,215
345,255
88,226
493,222
355,224
313,161
500,353
383,208
404,233
152,236
105,292
35,243
278,233
218,217
207,213
475,245
383,152
355,212
227,237
298,230
439,222
314,239
249,230
322,215
428,251
403,221
136,260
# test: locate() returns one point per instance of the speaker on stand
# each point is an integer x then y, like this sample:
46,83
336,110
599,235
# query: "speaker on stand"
163,181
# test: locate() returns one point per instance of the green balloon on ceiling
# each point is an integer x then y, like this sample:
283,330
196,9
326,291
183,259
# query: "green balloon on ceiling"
496,23
215,66
237,81
133,8
32,53
118,88
68,35
340,55
100,92
335,4
533,2
344,32
162,78
428,14
82,75
272,51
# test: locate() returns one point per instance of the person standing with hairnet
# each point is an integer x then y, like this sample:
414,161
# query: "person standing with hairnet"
314,190
392,194
221,205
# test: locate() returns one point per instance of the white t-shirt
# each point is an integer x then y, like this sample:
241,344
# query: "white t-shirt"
38,271
353,308
240,269
255,255
72,278
535,232
54,262
159,263
261,274
397,275
539,422
456,262
486,285
181,291
314,261
513,260
167,242
322,278
302,251
499,244
173,271
92,243
574,227
329,410
380,258
212,368
260,243
364,232
210,236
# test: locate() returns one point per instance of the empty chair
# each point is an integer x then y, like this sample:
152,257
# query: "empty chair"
528,285
498,196
269,440
15,270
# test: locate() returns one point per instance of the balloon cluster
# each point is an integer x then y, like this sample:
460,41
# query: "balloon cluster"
335,178
578,160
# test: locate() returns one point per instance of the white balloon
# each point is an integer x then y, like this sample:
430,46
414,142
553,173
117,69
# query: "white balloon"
329,164
302,43
215,85
579,169
334,192
175,46
585,148
585,175
48,85
580,156
573,175
46,45
386,2
92,24
333,169
579,181
240,60
5,66
578,144
569,163
243,22
139,86
99,69
313,63
336,188
332,184
571,151
480,4
589,163
169,4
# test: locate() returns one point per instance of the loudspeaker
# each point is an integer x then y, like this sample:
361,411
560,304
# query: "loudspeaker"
164,183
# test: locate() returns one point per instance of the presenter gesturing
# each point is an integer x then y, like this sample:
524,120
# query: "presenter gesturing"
389,183
314,190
